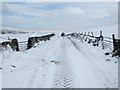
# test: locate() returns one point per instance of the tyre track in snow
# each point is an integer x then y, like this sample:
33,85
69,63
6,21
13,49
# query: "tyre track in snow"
63,74
63,78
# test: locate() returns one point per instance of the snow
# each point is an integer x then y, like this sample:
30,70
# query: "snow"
62,62
78,66
96,61
28,67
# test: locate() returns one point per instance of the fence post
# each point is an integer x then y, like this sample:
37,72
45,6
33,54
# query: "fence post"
100,33
92,34
88,33
114,42
101,39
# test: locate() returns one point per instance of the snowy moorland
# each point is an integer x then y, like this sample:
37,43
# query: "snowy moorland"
62,62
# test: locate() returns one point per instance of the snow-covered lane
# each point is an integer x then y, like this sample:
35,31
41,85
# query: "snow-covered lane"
77,66
81,72
88,69
83,67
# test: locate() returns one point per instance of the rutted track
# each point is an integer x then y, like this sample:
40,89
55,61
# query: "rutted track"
63,74
63,78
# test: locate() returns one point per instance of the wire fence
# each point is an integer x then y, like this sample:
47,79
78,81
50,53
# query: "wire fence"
106,42
90,38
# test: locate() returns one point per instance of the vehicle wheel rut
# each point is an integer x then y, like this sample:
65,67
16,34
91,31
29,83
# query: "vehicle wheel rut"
63,79
63,74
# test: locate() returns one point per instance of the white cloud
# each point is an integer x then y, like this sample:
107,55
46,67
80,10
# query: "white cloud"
21,9
66,18
98,14
101,11
15,8
97,11
73,10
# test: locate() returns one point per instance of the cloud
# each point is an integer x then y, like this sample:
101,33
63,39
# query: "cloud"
59,16
98,14
73,10
31,10
102,10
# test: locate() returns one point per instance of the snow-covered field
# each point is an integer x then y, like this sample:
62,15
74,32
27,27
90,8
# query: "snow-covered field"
61,62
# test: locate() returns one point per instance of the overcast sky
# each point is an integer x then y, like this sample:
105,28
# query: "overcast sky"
59,16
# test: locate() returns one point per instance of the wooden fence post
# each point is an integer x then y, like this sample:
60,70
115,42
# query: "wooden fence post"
100,33
92,34
101,39
114,42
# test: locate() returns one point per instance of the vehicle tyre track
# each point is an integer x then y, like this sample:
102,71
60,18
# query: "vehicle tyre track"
63,74
63,78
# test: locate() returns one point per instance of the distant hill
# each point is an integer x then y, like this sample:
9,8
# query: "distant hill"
4,31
